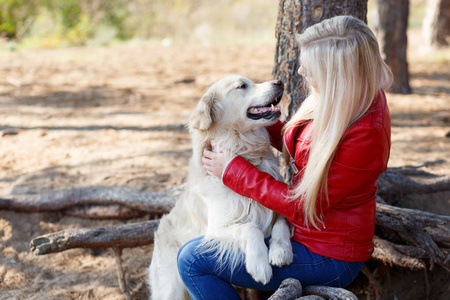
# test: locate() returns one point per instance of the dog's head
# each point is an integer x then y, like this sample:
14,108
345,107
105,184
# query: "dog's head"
235,102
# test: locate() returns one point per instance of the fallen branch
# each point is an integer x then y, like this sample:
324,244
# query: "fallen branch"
291,289
393,185
411,225
424,235
146,201
113,211
330,292
393,254
288,289
311,297
119,236
421,232
413,217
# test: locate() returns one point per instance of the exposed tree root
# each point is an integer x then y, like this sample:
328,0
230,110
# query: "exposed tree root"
291,289
330,292
420,238
154,202
119,236
374,285
393,184
420,231
120,273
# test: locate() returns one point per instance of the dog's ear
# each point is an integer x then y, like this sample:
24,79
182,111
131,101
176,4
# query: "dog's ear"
204,115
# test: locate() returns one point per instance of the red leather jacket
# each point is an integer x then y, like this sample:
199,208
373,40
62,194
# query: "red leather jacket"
348,219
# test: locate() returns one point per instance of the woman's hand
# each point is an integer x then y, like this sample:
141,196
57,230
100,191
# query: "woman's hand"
215,162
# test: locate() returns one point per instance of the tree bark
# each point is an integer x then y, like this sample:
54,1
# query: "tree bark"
393,185
411,226
294,16
146,201
424,236
330,293
119,236
391,254
436,24
124,202
390,27
288,289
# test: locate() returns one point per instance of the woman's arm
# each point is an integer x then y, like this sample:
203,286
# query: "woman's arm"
359,160
245,179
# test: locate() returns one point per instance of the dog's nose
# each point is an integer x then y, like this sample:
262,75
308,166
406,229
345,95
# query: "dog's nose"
278,83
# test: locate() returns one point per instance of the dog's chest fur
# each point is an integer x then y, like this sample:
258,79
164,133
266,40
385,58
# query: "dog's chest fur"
232,207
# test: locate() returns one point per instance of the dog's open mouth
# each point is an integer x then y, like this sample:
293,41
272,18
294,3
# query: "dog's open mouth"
268,111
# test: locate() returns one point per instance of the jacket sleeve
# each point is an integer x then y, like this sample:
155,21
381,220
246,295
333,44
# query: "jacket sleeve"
245,179
276,136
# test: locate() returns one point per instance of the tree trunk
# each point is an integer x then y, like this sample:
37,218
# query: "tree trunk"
294,16
390,26
436,24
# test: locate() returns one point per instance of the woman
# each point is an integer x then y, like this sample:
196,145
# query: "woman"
338,143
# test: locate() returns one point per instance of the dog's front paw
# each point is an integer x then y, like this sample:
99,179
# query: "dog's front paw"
280,255
260,271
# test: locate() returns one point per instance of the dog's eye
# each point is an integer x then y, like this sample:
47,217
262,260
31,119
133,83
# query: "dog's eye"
242,86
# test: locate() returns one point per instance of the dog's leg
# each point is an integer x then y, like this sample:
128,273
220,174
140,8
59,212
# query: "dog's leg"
163,278
280,249
250,240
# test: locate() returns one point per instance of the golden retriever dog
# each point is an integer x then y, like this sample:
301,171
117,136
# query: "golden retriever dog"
231,117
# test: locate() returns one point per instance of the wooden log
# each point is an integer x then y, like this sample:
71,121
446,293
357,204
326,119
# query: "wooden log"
413,217
113,211
393,185
147,201
119,236
413,235
440,234
289,289
418,229
389,253
330,292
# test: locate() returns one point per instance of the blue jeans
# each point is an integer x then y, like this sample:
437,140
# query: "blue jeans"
205,281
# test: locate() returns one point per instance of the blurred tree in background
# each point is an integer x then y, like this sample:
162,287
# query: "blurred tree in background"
54,23
60,23
15,16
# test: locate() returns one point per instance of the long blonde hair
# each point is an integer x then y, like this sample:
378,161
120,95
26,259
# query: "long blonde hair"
341,55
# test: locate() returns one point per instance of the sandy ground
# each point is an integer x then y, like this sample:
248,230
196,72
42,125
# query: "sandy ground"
116,116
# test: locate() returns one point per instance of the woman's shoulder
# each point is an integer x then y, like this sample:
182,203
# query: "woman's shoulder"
375,122
369,137
376,115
